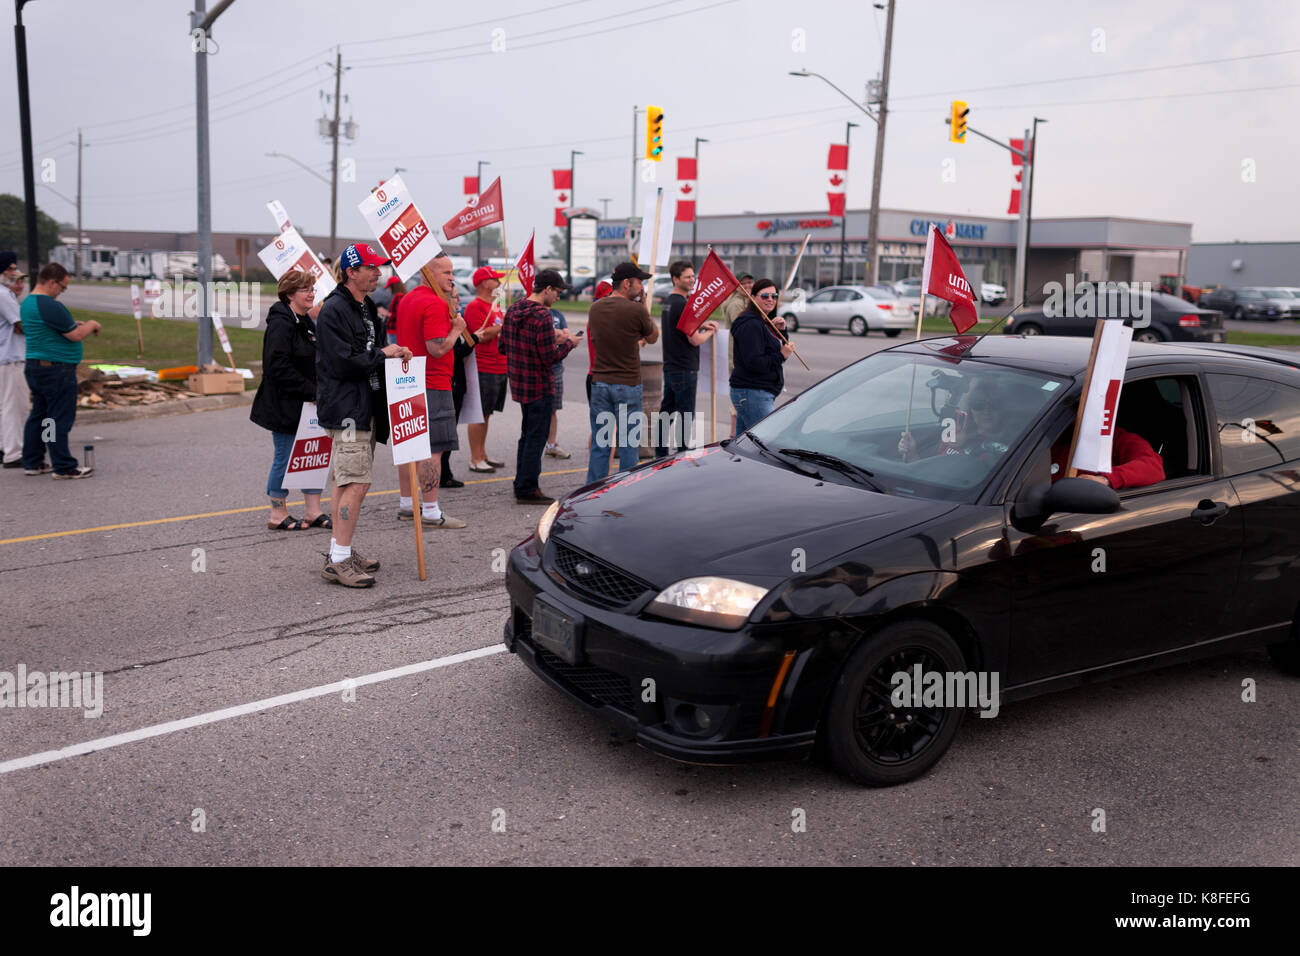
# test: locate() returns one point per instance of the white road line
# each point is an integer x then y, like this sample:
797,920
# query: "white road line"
227,713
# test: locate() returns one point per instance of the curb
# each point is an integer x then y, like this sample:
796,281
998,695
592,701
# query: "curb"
204,403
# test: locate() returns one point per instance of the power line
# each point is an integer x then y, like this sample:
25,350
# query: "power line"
1116,99
465,26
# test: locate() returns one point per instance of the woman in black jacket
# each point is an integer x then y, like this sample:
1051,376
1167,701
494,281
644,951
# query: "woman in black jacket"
288,380
757,378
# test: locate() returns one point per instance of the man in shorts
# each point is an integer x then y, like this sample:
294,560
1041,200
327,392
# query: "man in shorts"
352,402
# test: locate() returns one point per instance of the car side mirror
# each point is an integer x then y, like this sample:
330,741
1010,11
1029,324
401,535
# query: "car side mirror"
1067,496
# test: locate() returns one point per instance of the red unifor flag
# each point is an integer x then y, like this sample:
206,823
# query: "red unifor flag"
562,179
527,266
713,284
687,184
482,210
837,177
943,278
470,188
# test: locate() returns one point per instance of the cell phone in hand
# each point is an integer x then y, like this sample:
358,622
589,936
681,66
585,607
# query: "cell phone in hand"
580,333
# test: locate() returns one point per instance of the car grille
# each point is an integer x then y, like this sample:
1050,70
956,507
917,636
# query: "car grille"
604,686
595,578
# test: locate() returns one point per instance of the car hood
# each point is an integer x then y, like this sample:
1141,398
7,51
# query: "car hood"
708,511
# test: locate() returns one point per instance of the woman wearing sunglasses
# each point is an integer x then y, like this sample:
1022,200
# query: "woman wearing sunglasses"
757,378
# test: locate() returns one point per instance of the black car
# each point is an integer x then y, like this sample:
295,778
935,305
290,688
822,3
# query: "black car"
1171,318
760,597
1250,303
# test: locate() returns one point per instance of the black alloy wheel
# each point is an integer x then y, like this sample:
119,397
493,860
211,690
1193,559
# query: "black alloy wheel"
868,738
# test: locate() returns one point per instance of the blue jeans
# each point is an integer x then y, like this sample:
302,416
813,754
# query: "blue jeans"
532,439
613,407
283,449
678,402
54,397
752,406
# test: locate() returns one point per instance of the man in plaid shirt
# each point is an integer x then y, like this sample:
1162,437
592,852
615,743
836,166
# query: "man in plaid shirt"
532,346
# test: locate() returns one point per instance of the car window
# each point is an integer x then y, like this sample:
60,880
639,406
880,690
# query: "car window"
1258,421
825,295
1251,294
851,295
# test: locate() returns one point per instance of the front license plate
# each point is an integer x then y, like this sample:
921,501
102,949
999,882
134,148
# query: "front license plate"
1216,337
555,631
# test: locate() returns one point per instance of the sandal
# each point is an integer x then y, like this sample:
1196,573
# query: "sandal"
481,467
288,524
322,520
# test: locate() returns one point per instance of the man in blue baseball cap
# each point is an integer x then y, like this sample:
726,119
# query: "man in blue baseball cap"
352,401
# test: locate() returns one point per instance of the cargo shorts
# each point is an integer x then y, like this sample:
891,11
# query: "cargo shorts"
351,462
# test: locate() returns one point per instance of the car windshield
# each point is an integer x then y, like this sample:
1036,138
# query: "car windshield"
963,418
1280,293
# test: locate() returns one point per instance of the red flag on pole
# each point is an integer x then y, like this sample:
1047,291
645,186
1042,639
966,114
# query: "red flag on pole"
562,179
527,266
687,184
470,188
1013,208
837,176
713,284
480,211
943,278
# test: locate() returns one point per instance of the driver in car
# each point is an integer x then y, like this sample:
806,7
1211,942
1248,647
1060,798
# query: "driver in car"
981,431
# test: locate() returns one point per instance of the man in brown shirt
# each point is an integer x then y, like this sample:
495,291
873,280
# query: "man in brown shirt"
617,325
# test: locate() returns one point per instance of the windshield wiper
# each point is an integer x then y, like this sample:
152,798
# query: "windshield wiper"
792,465
839,464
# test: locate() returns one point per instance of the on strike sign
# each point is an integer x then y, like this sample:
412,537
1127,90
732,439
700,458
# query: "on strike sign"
309,462
290,251
399,228
408,414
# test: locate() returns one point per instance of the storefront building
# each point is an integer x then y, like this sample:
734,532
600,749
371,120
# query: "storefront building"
766,244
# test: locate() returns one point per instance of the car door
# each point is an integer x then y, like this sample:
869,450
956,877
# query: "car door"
1093,590
852,302
1258,418
816,314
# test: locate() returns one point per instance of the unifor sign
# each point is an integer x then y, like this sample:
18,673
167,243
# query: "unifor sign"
950,229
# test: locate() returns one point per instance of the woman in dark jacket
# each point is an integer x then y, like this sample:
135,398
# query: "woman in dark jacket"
757,378
288,380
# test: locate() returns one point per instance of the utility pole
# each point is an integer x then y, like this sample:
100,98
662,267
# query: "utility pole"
606,202
573,179
1031,147
81,238
478,233
695,217
29,165
844,219
636,113
873,220
334,165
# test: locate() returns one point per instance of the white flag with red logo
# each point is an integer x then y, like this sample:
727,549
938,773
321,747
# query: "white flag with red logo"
399,228
687,184
1101,404
470,188
280,214
837,177
713,284
942,277
290,251
481,210
562,179
527,266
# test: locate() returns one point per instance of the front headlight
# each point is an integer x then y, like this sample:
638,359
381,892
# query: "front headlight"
548,519
716,602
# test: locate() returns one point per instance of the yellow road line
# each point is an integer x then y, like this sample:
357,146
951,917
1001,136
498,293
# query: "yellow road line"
238,511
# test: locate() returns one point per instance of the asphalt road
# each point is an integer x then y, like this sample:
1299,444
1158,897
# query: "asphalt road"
416,767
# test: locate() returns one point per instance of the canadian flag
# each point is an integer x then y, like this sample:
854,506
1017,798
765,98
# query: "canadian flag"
1013,208
527,266
471,188
686,187
942,277
837,177
562,179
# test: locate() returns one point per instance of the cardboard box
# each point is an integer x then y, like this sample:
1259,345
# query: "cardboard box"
216,383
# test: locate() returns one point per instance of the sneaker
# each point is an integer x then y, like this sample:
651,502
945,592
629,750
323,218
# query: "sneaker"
494,463
43,470
555,451
347,573
368,565
443,522
534,498
85,471
16,463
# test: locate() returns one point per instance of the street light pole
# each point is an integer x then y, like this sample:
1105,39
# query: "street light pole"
325,179
873,223
1031,148
573,198
844,219
25,122
696,216
606,202
478,233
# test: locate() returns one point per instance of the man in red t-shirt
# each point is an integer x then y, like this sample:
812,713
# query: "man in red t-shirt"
483,317
429,327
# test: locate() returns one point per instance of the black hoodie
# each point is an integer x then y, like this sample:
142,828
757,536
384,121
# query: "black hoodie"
344,364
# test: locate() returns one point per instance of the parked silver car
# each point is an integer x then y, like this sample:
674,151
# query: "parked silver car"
851,308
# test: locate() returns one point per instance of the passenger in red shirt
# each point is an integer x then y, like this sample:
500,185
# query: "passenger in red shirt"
430,327
1134,463
483,317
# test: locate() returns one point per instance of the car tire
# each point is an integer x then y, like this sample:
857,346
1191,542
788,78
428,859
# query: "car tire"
863,742
1148,335
858,326
791,323
823,331
893,333
1029,328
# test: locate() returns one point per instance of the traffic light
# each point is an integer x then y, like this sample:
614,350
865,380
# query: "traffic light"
957,132
654,133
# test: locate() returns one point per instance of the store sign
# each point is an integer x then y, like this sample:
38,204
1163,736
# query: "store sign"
770,227
611,232
950,229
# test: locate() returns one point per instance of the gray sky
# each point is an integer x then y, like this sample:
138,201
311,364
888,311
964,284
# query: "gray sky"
1161,144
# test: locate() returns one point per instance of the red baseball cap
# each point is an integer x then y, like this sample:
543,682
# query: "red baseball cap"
360,254
602,290
392,280
482,274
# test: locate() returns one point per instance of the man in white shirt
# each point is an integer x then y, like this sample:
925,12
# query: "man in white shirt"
14,397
